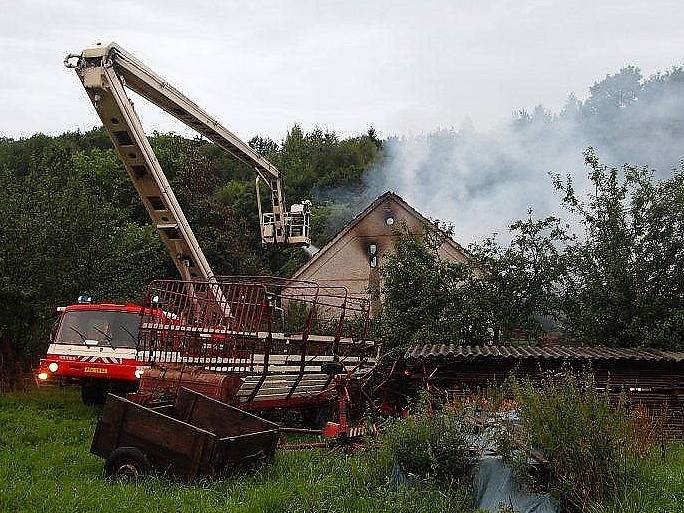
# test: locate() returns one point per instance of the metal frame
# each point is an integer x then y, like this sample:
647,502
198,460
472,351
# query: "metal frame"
106,72
291,368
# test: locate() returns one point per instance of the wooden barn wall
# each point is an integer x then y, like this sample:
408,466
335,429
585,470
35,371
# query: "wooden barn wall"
657,386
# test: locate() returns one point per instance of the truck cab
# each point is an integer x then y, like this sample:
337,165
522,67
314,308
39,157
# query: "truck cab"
94,345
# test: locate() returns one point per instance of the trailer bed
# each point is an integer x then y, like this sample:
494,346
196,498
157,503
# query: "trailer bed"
194,436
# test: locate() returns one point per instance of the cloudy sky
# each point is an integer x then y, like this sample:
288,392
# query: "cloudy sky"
404,67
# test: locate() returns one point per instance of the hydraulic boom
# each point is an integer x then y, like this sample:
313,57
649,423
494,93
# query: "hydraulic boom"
105,72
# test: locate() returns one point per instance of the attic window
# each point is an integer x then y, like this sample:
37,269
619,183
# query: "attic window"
373,261
389,221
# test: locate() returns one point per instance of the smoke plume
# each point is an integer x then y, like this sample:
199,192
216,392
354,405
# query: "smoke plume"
481,181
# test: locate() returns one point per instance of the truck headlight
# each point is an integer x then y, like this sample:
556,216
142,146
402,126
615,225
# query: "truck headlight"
43,376
53,367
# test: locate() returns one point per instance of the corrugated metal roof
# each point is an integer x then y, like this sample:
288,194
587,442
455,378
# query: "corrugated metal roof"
453,351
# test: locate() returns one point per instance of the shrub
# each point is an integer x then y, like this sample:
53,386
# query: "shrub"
591,442
433,447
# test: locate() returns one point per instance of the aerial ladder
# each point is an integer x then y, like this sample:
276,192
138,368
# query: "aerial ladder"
106,72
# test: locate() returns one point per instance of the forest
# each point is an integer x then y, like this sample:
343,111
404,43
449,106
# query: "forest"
606,260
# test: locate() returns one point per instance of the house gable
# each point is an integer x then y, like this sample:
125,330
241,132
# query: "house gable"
347,259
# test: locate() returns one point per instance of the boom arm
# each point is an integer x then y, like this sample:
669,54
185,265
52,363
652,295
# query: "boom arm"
104,71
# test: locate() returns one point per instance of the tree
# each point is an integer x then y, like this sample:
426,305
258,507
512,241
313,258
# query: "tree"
60,237
624,283
496,297
422,299
516,285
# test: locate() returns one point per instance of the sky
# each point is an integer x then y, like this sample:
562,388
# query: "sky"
402,67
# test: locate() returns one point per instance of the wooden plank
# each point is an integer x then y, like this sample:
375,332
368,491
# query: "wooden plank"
223,419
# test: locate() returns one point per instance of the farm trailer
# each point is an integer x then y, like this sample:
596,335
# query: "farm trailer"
193,436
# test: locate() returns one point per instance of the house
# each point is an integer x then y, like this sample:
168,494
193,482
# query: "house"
353,257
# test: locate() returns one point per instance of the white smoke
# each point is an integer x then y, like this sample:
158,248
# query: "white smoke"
482,181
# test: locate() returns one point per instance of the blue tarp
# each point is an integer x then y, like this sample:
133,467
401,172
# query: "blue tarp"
495,486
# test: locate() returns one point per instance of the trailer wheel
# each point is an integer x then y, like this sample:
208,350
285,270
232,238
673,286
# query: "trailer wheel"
127,464
93,393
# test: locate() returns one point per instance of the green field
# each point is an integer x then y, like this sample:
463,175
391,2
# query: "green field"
45,466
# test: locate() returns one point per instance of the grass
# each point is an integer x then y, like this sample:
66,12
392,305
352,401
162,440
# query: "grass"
45,466
660,489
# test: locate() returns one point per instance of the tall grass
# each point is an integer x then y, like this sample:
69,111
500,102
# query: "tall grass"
593,444
45,466
659,487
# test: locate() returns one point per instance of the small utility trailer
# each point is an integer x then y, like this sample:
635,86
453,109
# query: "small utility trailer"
194,436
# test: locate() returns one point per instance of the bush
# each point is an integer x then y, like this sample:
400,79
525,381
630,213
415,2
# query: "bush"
591,442
432,447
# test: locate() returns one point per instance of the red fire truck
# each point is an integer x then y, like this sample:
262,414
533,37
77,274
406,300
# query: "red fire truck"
94,346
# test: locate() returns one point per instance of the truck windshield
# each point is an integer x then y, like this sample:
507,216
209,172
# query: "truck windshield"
111,329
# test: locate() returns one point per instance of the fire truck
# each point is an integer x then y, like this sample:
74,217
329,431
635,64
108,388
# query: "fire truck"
94,344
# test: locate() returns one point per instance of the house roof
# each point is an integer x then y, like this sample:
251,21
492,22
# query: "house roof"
457,352
359,217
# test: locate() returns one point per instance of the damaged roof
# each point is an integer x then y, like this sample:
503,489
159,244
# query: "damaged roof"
458,352
361,215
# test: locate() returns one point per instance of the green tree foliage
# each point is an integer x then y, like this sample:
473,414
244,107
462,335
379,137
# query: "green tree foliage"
612,277
495,297
64,231
623,282
514,286
71,221
421,293
319,159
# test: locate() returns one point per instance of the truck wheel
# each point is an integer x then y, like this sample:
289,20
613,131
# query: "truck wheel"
94,394
127,464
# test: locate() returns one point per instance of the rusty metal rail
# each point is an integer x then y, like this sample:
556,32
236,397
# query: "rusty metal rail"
284,339
245,325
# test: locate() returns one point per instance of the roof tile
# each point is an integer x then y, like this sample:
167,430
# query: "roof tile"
460,352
